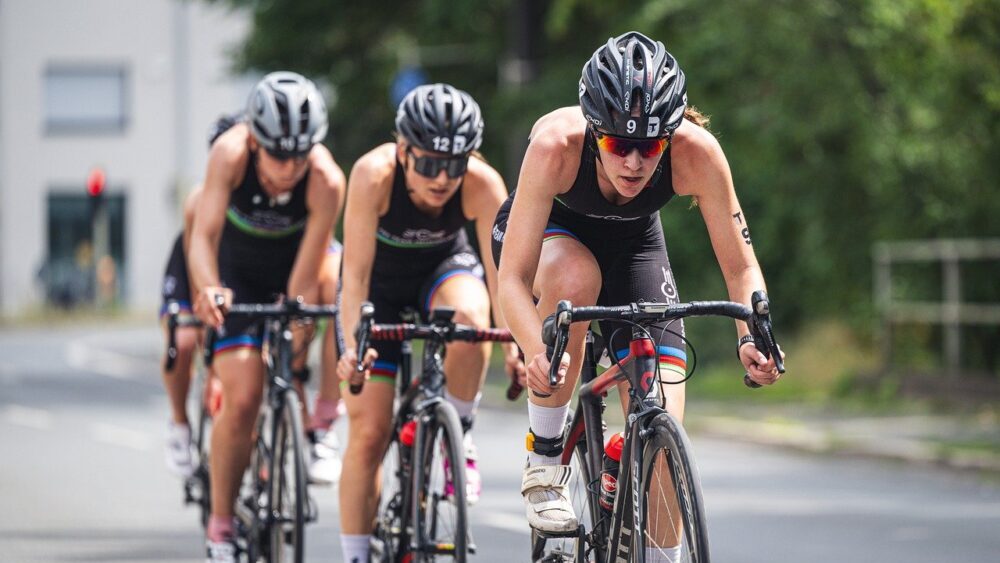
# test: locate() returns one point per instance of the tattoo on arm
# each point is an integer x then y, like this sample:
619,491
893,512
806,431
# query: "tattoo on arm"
738,216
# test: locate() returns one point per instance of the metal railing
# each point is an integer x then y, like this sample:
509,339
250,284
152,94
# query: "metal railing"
951,312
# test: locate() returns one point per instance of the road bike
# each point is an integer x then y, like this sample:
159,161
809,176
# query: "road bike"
658,507
422,509
273,505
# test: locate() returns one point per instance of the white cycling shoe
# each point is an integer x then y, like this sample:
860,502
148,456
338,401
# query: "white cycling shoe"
178,450
546,498
324,461
221,552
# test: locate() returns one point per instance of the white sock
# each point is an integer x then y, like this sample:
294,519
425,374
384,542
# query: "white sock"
465,408
546,422
355,547
663,554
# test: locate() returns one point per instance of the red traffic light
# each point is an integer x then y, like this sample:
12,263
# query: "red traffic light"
95,182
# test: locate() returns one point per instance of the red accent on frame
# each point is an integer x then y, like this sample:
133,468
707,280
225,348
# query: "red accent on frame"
642,347
574,437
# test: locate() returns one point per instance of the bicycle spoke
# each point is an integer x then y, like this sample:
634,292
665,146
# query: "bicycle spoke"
674,523
288,489
440,502
389,538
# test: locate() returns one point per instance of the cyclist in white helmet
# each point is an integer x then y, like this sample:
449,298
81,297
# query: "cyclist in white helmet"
264,223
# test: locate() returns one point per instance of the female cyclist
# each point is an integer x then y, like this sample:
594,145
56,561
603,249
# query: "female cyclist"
405,246
587,203
262,228
324,462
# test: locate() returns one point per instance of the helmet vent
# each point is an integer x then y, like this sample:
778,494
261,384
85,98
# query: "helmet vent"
282,103
638,61
304,115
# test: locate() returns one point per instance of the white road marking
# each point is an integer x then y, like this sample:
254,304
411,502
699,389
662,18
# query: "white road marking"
120,436
504,521
28,417
86,357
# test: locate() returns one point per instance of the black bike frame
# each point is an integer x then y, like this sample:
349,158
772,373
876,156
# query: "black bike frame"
639,368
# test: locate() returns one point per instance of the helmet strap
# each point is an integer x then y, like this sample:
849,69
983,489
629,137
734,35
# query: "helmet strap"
592,143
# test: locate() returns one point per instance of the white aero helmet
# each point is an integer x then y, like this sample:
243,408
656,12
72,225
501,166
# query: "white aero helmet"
286,114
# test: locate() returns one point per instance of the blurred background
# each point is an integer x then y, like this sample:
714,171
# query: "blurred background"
863,138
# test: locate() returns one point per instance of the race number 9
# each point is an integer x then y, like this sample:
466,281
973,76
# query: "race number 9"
630,126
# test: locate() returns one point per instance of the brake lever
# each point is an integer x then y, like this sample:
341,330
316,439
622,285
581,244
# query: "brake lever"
763,334
555,334
361,334
173,309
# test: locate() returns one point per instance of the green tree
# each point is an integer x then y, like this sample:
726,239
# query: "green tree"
845,121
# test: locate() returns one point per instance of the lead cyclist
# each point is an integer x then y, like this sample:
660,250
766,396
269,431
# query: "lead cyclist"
587,204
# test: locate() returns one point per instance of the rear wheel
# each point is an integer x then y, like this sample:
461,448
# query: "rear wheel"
439,499
288,497
674,526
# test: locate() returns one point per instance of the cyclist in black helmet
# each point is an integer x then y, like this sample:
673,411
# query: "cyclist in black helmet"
405,246
587,202
263,227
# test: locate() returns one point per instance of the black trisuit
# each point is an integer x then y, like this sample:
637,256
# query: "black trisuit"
627,242
415,253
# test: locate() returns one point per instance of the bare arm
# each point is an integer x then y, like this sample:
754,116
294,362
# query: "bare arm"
543,176
324,196
190,204
701,170
367,193
225,166
483,200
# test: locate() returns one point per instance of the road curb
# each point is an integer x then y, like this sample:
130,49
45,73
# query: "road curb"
829,439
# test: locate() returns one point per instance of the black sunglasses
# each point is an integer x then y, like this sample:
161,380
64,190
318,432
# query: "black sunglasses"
431,166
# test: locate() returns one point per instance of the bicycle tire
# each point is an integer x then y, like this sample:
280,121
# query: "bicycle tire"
440,519
288,498
390,539
201,472
683,506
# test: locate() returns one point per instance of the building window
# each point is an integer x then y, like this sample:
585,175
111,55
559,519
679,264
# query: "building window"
72,272
86,99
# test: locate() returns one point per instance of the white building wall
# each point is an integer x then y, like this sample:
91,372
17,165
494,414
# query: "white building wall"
175,54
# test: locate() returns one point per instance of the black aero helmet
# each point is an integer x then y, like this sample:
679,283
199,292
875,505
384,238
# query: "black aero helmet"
440,118
633,68
286,113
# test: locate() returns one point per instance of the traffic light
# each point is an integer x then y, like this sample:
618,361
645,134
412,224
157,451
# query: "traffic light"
95,190
95,182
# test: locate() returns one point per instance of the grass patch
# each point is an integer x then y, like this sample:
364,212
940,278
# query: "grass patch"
821,360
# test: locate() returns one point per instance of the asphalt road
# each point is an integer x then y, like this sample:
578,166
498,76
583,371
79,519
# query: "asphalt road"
82,418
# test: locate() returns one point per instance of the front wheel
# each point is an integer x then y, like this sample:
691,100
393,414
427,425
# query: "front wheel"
439,501
288,496
673,526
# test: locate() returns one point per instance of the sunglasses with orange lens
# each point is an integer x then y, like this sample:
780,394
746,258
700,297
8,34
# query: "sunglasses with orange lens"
621,146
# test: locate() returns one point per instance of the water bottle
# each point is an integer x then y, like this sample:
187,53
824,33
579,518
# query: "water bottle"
407,434
609,475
